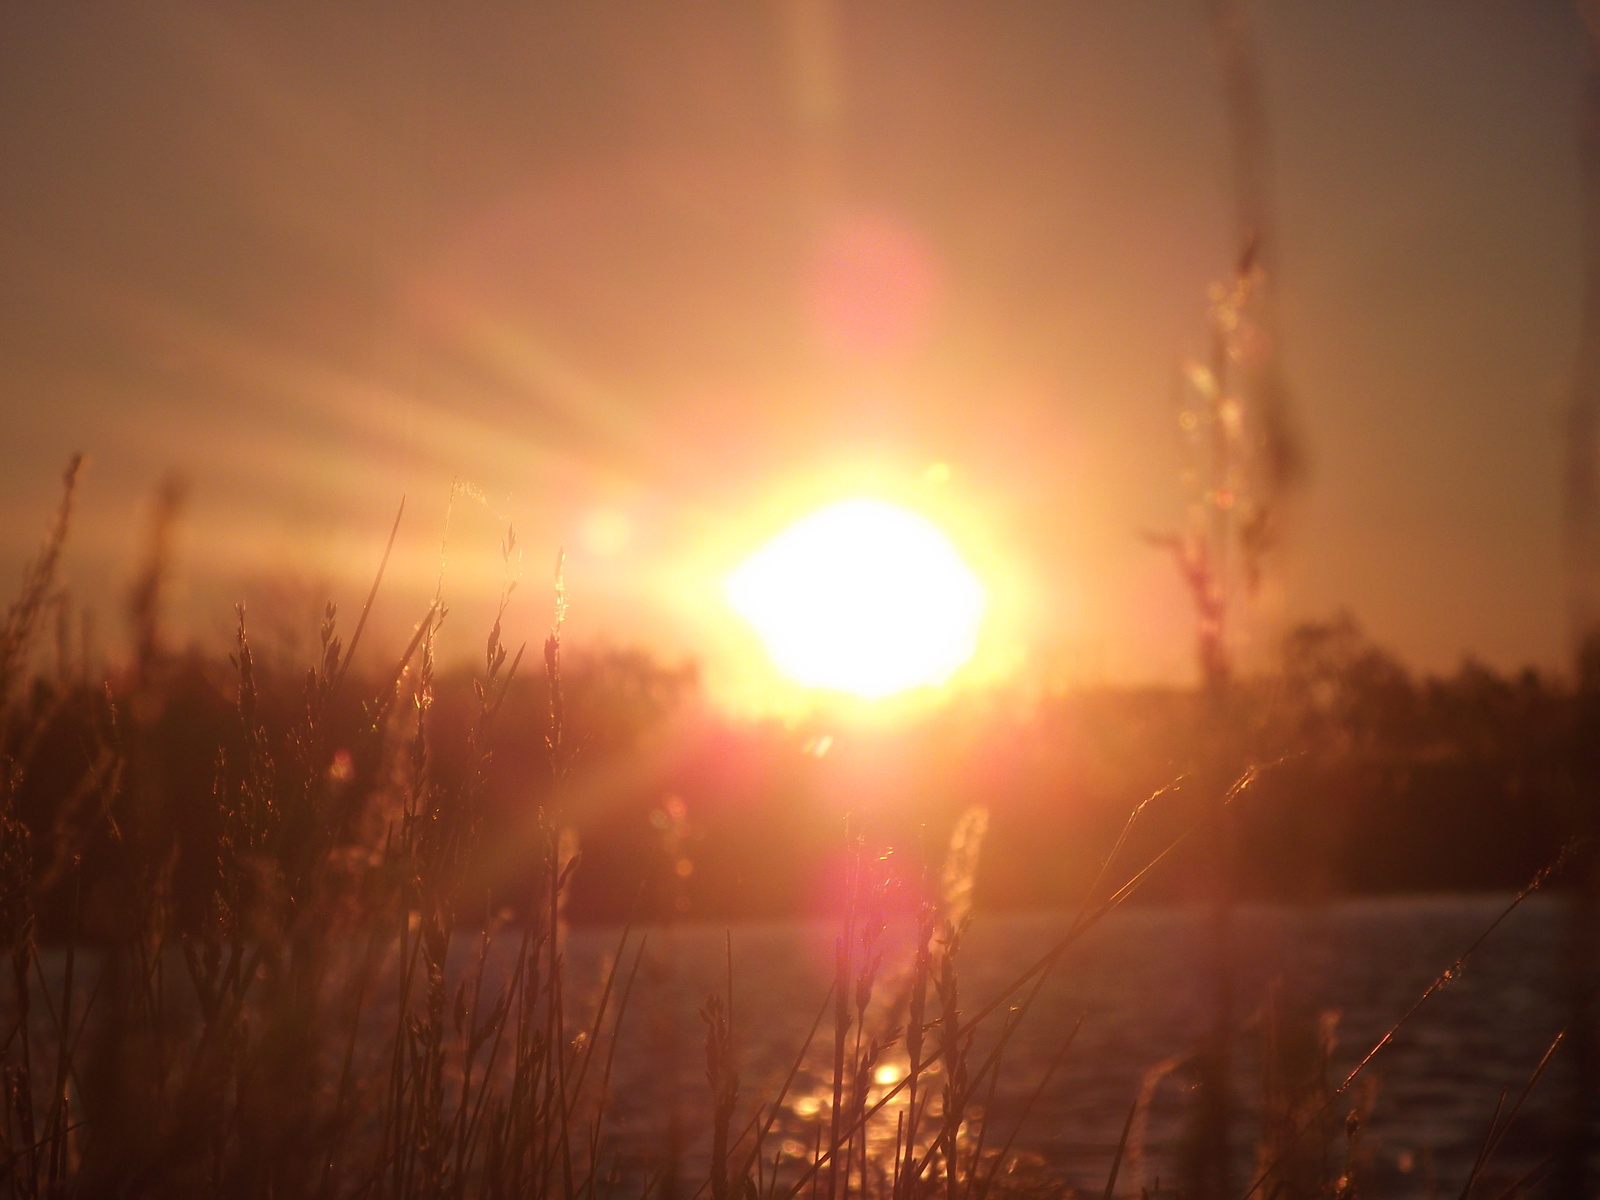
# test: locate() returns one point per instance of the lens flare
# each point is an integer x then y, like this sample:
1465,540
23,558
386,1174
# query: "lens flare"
861,597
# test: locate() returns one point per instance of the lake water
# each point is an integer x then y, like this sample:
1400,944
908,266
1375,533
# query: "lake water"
1143,984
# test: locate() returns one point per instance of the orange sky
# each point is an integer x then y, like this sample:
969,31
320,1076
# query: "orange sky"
648,278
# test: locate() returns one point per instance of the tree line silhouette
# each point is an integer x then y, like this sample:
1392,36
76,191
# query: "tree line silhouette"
1366,778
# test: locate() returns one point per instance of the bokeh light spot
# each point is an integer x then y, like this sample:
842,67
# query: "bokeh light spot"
875,287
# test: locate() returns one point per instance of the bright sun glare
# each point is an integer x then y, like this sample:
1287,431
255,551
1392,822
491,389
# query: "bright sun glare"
861,597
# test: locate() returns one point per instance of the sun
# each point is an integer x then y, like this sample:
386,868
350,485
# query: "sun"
861,597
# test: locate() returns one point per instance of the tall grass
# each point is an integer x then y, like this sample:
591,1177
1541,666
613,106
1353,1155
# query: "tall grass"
352,1010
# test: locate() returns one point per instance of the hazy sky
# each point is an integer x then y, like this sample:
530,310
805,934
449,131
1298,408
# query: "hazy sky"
604,263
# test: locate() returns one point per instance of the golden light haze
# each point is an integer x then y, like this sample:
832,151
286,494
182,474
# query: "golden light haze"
642,276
